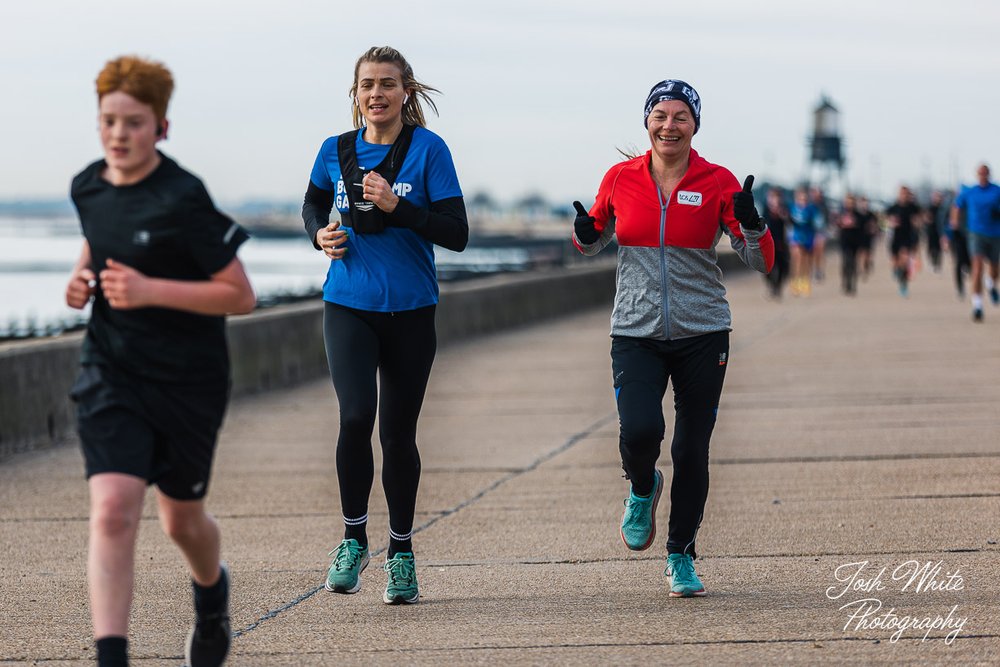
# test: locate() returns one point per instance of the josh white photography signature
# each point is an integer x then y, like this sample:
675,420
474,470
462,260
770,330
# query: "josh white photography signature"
866,613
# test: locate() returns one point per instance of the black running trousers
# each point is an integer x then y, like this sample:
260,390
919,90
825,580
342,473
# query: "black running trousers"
696,367
399,349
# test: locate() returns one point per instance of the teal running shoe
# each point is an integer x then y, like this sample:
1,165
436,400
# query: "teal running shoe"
684,583
639,521
402,585
349,561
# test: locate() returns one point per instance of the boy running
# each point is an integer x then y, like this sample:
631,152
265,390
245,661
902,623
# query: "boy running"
159,263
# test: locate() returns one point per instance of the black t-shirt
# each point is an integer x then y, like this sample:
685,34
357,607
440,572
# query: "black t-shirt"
852,231
164,226
868,222
905,215
779,222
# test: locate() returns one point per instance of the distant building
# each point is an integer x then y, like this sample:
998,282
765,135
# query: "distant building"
826,149
532,207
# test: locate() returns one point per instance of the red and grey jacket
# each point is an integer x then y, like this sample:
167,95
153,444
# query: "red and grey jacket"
669,282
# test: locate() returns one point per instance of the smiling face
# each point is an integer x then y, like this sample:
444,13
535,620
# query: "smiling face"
380,93
129,134
671,126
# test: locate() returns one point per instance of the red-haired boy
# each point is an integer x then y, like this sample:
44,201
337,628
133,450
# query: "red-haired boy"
159,264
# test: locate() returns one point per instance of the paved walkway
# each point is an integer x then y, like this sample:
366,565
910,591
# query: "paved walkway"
852,430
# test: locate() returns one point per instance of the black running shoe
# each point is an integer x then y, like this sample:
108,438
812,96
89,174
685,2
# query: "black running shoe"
209,639
977,315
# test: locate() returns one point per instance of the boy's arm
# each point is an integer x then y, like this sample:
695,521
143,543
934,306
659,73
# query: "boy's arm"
81,284
228,291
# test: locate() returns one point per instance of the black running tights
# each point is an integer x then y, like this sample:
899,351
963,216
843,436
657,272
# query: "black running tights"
696,367
399,348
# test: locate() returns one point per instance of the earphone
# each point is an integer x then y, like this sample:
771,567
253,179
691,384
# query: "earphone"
406,98
159,130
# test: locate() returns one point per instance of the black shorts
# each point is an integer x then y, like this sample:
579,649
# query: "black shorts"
902,240
987,247
162,433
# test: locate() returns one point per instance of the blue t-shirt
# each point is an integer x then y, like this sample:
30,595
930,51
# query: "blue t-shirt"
804,223
394,269
980,204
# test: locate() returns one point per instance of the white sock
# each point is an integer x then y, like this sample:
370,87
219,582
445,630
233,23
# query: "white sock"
977,301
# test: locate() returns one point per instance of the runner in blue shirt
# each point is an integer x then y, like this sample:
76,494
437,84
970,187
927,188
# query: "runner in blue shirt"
805,217
394,186
981,204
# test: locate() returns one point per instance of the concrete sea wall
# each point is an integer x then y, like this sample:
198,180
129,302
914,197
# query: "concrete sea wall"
282,346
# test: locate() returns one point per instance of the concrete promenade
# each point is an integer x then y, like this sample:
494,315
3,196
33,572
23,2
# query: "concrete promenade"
851,431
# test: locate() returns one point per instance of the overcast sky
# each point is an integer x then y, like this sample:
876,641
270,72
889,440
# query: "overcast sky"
537,94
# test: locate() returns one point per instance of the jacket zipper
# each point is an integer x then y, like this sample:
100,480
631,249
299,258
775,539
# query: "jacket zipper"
663,261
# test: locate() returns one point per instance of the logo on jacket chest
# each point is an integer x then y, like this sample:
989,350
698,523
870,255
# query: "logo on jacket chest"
689,198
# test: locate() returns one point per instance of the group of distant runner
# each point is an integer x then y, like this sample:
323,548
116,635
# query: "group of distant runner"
967,224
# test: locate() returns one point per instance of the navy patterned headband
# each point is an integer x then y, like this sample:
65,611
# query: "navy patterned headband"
674,89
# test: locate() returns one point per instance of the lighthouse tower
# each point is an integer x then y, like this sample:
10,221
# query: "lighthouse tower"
826,155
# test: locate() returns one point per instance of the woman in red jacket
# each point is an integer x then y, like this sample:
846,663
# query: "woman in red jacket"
669,208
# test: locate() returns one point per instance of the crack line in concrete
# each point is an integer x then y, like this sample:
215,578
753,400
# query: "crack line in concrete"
591,645
512,647
638,559
930,456
569,443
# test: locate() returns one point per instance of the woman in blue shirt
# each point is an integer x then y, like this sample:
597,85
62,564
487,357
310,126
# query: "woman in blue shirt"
394,185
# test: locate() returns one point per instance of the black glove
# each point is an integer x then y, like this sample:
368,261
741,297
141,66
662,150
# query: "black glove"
584,225
743,208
